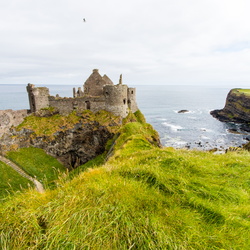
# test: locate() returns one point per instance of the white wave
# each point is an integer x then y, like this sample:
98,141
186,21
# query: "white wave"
206,130
176,142
173,127
220,140
204,137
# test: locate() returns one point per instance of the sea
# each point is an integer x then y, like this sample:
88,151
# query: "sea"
194,129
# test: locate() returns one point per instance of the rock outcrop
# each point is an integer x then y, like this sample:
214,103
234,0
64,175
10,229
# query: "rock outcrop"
183,111
73,147
237,108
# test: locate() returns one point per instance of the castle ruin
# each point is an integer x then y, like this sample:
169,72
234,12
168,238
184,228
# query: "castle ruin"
98,93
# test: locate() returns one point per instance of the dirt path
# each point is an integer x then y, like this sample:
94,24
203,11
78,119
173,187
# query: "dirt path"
38,185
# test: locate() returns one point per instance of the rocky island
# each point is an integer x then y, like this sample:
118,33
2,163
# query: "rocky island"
237,108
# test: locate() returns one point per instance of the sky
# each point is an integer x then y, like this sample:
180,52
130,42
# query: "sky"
149,42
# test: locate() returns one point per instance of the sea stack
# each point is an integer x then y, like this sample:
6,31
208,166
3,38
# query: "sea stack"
237,107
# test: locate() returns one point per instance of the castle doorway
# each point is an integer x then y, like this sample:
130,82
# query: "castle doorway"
87,104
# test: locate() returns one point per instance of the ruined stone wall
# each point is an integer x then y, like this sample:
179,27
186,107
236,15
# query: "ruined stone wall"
67,105
132,99
96,104
38,97
94,84
9,118
99,93
116,99
63,105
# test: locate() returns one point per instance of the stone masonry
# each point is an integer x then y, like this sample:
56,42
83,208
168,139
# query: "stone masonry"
9,118
98,93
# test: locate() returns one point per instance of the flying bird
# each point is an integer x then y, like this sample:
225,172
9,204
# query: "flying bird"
84,20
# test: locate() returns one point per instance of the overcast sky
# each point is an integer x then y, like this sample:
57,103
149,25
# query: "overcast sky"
148,41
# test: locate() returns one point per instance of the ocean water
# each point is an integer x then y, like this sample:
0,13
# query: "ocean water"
160,105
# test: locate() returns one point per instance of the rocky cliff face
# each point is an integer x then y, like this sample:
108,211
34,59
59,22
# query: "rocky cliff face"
73,145
237,108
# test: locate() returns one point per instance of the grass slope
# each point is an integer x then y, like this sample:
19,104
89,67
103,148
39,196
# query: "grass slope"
47,126
11,181
143,197
242,91
36,163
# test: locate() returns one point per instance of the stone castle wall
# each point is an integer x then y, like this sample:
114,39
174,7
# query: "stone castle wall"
67,105
116,99
9,118
95,83
132,99
99,93
38,97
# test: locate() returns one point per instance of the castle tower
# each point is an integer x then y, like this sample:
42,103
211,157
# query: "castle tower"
38,97
116,100
132,99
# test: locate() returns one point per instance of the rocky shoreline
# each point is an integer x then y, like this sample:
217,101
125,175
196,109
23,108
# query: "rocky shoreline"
236,110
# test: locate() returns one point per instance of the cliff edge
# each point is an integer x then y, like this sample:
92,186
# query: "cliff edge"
237,108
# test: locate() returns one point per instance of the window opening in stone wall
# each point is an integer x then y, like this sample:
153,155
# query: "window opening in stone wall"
124,101
87,104
75,105
132,92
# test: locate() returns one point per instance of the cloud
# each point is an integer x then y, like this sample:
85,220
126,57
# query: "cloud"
150,42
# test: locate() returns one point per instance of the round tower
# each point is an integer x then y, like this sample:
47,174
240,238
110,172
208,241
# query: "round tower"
116,99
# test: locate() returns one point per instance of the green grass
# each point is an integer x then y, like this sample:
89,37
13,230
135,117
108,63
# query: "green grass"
36,163
47,126
143,197
11,181
242,91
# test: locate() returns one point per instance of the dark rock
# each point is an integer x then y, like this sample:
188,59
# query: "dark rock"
183,111
234,131
73,147
213,150
237,108
247,138
245,127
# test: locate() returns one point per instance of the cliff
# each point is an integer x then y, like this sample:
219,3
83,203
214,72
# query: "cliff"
237,107
73,139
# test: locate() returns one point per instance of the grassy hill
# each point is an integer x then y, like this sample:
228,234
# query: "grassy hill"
11,181
36,163
142,197
242,91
